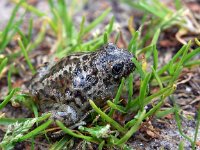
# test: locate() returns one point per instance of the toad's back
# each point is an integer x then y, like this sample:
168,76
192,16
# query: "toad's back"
68,84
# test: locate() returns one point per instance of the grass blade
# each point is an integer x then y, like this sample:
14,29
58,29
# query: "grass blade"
35,131
97,21
107,118
8,98
70,132
3,64
133,129
26,56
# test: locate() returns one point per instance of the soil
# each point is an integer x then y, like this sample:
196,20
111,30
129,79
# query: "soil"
156,133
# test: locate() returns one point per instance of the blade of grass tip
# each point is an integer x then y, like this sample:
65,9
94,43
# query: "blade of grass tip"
181,146
8,98
144,50
178,68
32,143
66,18
30,29
43,117
197,41
39,38
107,118
162,7
116,107
132,46
161,114
155,37
153,43
176,56
197,126
131,25
97,45
191,54
54,24
105,38
130,90
134,105
178,4
154,109
178,121
35,109
160,103
26,56
171,68
143,90
60,144
159,93
180,63
111,23
176,75
80,34
192,63
152,9
133,129
52,6
3,64
8,121
157,78
133,4
12,32
173,19
139,68
35,131
8,26
70,132
117,37
22,36
100,147
97,21
9,78
155,57
30,8
117,97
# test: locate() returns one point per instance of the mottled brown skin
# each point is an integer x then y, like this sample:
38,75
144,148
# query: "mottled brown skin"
65,87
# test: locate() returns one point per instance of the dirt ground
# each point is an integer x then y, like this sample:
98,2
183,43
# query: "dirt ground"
164,133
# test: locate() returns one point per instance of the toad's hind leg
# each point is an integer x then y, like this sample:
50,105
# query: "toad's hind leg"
67,114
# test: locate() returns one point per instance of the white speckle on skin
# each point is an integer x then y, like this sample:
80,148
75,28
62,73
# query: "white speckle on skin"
188,89
69,110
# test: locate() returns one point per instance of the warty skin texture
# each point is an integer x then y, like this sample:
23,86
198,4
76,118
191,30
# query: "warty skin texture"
65,87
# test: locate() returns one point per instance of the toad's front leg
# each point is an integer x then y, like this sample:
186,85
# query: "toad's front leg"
68,114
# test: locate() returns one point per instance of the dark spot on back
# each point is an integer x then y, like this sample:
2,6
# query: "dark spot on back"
94,71
92,79
85,57
85,68
42,91
86,89
91,64
99,92
77,70
106,82
65,72
78,94
70,68
60,77
52,97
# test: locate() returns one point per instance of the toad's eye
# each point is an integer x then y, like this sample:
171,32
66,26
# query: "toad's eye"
117,68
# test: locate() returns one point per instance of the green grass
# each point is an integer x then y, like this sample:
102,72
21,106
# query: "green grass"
104,131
